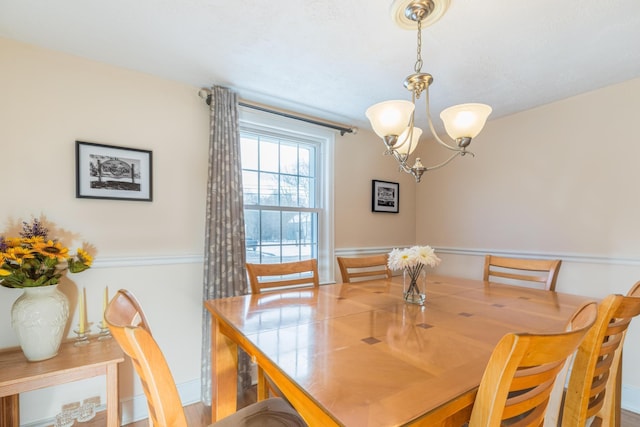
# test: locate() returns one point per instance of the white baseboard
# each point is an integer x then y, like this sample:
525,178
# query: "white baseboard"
631,398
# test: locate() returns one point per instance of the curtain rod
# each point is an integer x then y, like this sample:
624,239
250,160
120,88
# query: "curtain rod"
206,95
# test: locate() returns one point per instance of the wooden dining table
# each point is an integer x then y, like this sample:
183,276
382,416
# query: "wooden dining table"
358,355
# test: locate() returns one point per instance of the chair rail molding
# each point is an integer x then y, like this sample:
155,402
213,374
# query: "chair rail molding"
481,252
144,261
564,256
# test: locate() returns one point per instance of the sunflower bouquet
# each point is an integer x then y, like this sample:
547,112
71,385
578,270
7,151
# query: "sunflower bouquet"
33,259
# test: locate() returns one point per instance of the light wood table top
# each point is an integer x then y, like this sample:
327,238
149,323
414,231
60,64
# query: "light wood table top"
358,355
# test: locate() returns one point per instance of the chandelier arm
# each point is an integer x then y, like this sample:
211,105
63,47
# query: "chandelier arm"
433,130
402,161
446,162
409,138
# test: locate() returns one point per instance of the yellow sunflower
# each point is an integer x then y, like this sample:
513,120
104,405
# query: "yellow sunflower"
84,257
13,242
52,249
18,254
33,240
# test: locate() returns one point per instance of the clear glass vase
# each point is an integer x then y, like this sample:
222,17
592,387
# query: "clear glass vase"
415,286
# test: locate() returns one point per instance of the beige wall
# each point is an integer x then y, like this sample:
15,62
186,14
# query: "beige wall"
49,100
359,160
559,178
557,181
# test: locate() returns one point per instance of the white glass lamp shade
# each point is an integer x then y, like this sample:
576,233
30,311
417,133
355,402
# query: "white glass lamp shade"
404,147
465,120
390,117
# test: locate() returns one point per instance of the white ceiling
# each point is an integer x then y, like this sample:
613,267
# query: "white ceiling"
334,58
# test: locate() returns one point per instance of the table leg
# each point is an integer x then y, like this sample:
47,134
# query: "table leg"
263,389
113,418
10,411
224,373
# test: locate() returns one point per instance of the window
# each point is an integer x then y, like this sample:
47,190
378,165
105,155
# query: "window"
286,177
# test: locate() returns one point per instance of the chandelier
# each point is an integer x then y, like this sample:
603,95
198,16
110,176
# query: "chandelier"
393,121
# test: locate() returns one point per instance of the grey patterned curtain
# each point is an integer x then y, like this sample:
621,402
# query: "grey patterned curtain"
224,259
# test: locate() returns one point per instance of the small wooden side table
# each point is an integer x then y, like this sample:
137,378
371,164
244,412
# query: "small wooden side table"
17,375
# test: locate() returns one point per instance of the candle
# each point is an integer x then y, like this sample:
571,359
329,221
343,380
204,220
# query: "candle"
81,318
105,301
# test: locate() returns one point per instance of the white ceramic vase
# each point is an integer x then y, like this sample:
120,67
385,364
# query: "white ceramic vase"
39,317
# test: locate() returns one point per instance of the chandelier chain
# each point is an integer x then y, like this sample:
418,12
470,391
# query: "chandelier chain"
418,66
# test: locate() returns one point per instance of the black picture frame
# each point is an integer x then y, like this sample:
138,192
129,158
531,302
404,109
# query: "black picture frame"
385,196
112,172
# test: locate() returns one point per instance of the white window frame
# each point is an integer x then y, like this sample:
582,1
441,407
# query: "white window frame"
256,121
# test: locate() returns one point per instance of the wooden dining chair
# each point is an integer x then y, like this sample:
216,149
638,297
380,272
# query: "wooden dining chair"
165,406
285,275
365,267
523,270
520,375
297,274
595,380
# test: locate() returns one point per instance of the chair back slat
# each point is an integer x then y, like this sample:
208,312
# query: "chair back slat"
364,268
272,276
523,270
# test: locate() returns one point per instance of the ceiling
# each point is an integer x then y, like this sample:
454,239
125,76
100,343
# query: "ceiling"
332,59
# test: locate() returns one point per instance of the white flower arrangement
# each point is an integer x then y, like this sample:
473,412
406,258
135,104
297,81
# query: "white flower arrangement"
413,258
412,261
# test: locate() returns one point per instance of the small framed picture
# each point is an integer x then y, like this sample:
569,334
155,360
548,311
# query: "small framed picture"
110,172
385,196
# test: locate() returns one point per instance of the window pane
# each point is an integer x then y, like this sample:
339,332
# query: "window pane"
270,228
249,151
289,159
295,253
306,193
271,254
269,189
268,155
288,190
250,187
307,161
252,224
252,235
306,223
291,227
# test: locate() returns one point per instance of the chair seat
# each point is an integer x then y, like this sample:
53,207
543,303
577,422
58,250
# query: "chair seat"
272,412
